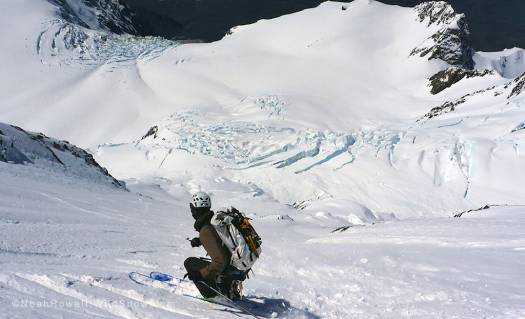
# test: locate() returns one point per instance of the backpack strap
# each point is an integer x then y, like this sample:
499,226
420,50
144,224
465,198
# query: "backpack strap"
231,236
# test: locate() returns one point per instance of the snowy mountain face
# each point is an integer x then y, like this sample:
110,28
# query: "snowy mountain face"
94,31
450,43
24,148
209,20
261,134
109,15
291,98
510,65
350,133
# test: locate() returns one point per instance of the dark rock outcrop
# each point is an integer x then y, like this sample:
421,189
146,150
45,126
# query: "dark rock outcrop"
110,15
9,153
446,78
451,42
152,131
450,106
519,87
18,146
446,107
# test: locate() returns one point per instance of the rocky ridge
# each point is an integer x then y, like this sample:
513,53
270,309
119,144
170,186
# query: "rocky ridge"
18,146
450,43
446,78
109,15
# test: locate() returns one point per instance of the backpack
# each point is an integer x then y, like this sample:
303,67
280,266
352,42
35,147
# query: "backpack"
239,236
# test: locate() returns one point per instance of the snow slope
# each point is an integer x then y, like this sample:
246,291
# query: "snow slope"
20,147
311,122
337,108
334,107
66,248
62,74
510,63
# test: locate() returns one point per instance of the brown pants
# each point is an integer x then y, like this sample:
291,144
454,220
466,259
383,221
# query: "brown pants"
196,264
229,274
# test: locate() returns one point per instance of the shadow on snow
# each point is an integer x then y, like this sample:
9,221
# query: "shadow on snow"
262,307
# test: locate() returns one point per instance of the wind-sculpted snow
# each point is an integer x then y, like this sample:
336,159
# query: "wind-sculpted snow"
65,43
509,63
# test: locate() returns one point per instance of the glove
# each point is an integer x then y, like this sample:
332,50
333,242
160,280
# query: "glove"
195,242
194,275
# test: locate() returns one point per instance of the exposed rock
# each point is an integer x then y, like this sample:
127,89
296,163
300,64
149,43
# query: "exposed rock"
18,146
110,15
446,78
446,107
301,204
450,106
341,229
63,42
9,153
519,87
152,131
451,42
519,127
458,215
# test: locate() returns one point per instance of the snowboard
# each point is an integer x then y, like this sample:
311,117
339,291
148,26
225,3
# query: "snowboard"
187,289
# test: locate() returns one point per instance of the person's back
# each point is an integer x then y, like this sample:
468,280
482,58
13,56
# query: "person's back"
211,276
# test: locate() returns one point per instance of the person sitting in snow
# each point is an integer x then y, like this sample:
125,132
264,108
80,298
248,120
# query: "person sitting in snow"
215,276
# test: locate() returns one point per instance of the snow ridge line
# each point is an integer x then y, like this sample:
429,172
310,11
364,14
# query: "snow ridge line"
486,207
450,42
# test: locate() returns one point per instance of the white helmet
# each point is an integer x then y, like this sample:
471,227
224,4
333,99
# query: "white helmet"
201,199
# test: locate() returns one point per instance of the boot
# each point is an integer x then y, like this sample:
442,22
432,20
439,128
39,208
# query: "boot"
235,292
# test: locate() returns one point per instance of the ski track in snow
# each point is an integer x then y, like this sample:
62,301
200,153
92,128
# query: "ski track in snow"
467,267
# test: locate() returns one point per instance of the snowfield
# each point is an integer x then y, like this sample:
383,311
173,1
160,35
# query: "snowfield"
320,125
67,248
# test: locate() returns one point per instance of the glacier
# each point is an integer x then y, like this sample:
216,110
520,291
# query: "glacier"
322,125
